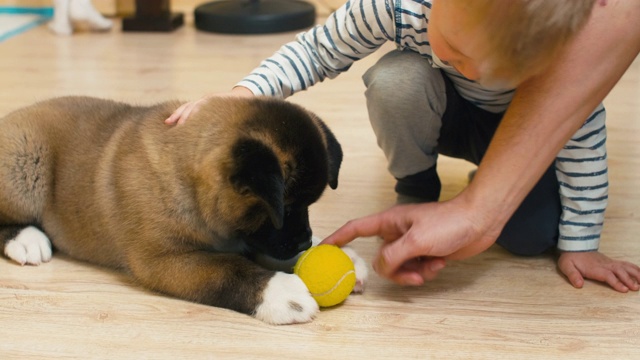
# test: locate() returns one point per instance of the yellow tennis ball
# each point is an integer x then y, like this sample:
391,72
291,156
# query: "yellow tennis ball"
328,273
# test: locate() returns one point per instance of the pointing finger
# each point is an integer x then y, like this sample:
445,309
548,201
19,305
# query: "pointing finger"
363,227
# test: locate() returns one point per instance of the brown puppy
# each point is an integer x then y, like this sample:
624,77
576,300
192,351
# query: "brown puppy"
182,209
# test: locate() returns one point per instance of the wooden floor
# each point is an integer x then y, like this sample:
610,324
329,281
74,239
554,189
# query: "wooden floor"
494,306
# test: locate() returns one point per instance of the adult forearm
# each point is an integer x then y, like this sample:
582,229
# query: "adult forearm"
548,109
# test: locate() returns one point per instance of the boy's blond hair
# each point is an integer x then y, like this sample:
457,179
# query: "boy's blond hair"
523,36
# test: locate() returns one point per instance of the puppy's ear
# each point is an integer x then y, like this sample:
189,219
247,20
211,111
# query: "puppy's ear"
258,172
334,152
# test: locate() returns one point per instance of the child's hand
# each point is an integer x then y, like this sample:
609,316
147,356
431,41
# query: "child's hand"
620,275
181,114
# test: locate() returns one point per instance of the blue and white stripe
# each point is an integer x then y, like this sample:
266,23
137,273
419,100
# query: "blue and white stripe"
355,30
360,27
581,167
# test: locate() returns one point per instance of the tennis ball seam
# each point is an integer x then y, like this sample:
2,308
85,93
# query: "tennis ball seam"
336,285
301,261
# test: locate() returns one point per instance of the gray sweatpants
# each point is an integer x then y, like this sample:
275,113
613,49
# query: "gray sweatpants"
416,114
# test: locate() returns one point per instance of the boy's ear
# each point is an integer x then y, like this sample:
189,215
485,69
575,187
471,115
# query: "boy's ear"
334,152
257,171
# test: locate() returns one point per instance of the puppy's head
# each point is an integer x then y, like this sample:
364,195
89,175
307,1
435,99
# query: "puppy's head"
279,162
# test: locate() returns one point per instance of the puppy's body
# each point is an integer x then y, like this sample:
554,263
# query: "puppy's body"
182,209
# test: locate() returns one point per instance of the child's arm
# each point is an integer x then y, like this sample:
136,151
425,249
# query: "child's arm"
581,168
354,31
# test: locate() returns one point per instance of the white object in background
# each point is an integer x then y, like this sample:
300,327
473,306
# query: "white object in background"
72,14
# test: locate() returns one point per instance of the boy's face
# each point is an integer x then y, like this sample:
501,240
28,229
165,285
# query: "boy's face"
459,44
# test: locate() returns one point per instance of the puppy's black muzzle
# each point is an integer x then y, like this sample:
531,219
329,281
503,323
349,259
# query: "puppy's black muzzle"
284,243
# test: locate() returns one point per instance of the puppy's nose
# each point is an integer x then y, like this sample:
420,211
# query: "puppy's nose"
304,245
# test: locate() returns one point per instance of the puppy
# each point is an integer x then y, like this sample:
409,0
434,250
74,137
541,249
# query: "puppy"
185,210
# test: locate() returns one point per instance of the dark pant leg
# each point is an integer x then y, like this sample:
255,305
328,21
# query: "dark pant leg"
466,133
533,228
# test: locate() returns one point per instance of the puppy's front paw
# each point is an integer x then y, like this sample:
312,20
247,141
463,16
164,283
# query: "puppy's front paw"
30,246
362,271
286,300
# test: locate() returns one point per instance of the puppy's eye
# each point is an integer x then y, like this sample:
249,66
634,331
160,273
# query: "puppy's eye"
289,172
244,191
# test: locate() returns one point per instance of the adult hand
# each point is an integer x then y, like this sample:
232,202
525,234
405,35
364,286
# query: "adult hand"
419,238
181,114
620,275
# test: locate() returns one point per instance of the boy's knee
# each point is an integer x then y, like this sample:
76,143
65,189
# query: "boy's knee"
533,228
526,240
405,94
405,75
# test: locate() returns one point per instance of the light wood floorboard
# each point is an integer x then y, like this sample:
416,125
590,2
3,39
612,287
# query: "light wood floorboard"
493,306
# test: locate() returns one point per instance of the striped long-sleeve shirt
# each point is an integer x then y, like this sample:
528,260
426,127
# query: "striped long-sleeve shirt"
360,27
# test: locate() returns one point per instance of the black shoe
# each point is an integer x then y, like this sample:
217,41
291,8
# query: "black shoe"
406,199
424,186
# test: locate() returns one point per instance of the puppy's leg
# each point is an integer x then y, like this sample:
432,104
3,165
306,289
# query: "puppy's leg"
286,300
362,270
25,245
361,267
228,281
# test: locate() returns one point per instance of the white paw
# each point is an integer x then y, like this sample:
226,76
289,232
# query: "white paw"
362,270
30,246
286,300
